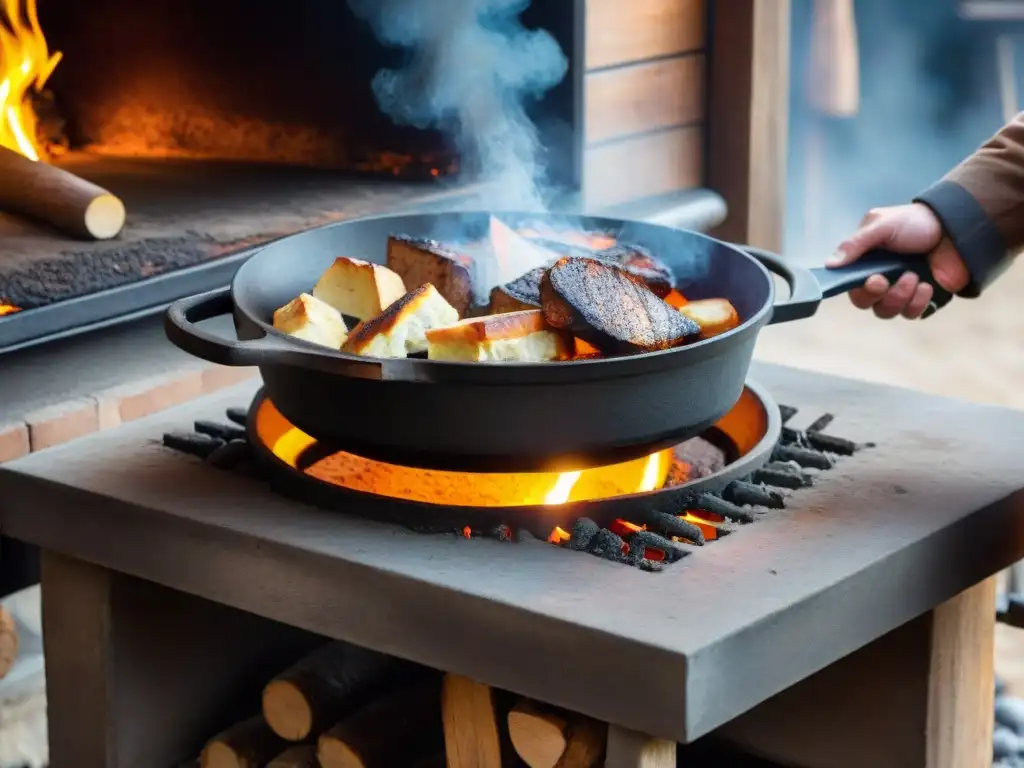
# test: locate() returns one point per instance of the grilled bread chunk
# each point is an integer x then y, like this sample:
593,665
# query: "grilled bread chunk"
400,329
610,309
306,317
512,337
420,261
522,293
714,316
358,288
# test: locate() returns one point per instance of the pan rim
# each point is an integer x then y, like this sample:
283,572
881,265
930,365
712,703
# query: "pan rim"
410,367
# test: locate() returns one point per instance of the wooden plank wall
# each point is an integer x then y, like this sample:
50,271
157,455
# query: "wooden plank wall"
644,97
748,118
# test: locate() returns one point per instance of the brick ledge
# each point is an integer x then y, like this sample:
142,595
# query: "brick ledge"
64,421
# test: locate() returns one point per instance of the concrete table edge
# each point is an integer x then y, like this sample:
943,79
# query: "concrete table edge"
692,693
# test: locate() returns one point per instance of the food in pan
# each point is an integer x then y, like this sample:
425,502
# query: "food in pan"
306,317
420,261
522,293
400,330
641,262
556,296
610,309
358,288
520,337
714,316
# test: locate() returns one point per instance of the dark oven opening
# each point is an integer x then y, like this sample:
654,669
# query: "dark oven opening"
221,125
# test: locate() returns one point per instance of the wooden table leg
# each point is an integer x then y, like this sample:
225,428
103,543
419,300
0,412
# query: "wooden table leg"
629,749
920,696
137,674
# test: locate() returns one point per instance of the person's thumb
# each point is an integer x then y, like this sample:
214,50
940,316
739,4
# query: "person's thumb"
948,268
870,235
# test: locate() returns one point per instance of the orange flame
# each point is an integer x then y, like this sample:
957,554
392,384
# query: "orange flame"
25,65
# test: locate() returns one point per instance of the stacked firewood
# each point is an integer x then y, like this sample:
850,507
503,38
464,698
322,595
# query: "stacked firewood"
346,707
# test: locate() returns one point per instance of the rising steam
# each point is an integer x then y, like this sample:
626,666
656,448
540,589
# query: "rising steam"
472,67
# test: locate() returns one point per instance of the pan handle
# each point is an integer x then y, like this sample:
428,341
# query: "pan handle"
808,287
180,327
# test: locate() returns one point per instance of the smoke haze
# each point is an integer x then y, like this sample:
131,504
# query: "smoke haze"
929,97
472,67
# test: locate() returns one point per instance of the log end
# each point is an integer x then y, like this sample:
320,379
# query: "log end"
104,217
219,755
287,711
539,737
335,753
8,642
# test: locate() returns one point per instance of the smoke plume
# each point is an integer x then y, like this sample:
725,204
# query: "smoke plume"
471,68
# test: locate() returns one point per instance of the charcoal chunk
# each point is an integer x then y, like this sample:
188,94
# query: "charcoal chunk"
748,494
723,508
230,454
641,541
831,444
238,415
671,525
223,431
193,443
607,544
805,457
583,532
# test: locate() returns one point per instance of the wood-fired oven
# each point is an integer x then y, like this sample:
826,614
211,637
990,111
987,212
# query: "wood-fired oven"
224,125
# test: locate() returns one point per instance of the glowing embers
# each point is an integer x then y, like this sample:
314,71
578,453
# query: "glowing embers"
8,309
738,471
25,65
460,489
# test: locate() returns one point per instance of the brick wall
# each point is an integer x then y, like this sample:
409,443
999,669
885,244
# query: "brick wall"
61,422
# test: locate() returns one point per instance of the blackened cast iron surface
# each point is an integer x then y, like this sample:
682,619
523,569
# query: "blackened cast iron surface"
538,519
505,417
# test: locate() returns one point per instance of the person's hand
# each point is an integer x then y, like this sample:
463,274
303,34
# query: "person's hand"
902,229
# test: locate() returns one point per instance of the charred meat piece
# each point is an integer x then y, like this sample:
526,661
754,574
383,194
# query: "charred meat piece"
401,329
714,316
610,309
639,261
522,293
419,261
518,337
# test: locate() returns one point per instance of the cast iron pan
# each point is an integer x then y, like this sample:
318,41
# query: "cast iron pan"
511,417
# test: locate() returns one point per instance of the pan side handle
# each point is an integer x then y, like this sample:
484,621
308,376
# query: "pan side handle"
180,327
808,287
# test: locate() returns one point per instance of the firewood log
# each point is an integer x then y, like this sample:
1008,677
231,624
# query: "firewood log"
57,197
249,744
586,745
471,736
545,737
8,642
320,689
298,756
394,730
629,749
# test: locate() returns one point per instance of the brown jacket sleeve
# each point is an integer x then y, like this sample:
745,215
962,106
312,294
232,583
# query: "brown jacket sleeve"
981,205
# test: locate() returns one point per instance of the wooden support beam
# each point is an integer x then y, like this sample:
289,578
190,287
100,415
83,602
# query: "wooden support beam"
919,696
629,749
748,117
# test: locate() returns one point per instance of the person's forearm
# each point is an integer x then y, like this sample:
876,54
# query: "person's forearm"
981,203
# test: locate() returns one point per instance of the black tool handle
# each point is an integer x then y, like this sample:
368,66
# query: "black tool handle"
808,287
